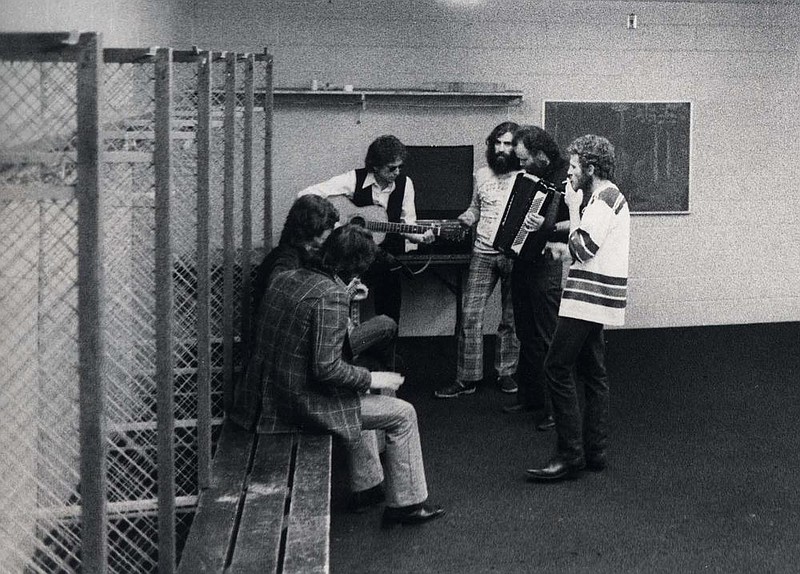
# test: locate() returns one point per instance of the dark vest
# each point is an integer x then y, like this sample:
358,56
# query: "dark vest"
394,243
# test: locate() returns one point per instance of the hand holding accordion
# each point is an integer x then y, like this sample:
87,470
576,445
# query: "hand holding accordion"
557,250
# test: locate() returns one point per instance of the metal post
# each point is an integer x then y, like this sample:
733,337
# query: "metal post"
229,189
94,537
203,272
247,199
268,115
163,285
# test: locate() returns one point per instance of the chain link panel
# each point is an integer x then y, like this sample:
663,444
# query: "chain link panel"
40,502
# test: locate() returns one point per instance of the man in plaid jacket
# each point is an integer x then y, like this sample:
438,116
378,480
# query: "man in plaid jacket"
301,375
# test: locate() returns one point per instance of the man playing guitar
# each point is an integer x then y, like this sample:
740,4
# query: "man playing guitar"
380,182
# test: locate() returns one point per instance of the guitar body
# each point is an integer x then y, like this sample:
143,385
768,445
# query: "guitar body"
349,212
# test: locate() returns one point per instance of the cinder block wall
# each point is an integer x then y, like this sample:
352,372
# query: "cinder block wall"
729,261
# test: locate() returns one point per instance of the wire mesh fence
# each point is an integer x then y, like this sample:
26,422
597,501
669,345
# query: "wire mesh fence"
51,463
39,425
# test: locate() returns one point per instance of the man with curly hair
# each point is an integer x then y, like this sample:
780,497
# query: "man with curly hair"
537,276
595,295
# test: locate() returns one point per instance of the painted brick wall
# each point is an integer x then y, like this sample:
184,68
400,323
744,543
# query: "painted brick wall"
729,261
736,62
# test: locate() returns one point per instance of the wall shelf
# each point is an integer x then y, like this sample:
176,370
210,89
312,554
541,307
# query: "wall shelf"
362,96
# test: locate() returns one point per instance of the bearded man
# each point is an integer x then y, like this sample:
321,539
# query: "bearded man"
595,295
493,184
537,279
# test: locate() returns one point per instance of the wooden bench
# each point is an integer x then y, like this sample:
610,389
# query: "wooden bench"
267,508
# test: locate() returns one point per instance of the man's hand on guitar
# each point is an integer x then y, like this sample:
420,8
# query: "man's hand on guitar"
427,237
358,290
466,219
533,221
386,380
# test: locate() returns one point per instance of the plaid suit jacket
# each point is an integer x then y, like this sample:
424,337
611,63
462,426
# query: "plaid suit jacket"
298,377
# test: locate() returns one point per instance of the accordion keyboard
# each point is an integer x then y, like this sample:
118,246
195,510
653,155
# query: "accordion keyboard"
522,235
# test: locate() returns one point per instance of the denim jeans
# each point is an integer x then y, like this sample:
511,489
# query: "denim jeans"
405,482
578,346
373,343
484,273
536,291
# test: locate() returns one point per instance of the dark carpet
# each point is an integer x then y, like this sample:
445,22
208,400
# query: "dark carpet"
703,472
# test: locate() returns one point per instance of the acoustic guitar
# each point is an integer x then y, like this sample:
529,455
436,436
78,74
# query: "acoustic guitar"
374,218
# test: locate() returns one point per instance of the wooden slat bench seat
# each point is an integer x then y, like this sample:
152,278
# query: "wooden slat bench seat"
267,508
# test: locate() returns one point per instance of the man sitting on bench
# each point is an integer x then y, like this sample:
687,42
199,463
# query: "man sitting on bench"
299,371
309,222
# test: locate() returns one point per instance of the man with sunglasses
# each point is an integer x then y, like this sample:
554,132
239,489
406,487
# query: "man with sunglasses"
381,182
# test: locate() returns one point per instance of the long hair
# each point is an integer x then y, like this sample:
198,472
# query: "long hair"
497,132
534,139
348,251
384,150
309,216
597,151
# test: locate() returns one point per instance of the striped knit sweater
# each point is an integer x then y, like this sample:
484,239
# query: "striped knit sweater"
597,283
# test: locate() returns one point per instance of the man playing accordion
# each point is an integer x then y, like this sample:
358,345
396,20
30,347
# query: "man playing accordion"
536,279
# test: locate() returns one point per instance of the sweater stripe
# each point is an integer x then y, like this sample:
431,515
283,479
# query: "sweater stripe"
597,289
599,277
593,299
582,246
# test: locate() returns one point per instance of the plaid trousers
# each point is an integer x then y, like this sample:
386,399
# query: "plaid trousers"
484,272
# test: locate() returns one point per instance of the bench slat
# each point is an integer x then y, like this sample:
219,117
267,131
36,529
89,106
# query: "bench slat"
258,541
308,534
212,530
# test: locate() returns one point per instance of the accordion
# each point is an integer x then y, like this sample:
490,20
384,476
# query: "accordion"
529,195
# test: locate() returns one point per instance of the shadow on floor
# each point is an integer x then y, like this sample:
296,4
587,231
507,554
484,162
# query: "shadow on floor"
703,473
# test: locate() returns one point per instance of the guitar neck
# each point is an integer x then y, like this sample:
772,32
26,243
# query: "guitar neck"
393,227
355,306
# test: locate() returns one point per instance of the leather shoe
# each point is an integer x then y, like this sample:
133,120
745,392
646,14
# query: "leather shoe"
413,514
362,500
456,389
517,408
557,469
546,424
507,384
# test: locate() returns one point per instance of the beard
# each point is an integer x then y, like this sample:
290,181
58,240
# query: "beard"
537,167
501,163
585,183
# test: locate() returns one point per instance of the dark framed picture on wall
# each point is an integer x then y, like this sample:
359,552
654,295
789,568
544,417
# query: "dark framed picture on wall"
652,142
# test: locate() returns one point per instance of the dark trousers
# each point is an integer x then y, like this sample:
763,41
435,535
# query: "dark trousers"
578,348
536,293
373,343
386,289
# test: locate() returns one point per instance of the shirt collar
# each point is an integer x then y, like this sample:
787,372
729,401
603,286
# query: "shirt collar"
369,181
